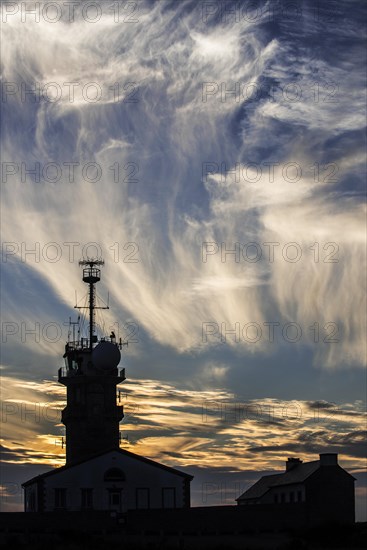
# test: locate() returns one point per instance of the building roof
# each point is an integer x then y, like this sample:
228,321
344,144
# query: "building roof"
260,487
120,451
298,474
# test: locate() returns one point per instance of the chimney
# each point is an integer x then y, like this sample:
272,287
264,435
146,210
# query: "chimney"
292,463
328,459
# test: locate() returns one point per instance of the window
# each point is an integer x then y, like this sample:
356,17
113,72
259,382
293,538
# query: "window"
282,497
96,410
86,498
31,501
60,498
142,499
168,497
276,499
78,394
299,496
115,499
291,496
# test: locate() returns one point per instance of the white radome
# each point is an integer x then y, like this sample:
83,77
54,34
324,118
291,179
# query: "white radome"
106,356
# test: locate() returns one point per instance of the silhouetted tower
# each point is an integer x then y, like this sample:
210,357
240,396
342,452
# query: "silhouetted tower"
91,416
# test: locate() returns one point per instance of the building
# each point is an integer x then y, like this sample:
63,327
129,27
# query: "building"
321,487
115,480
98,475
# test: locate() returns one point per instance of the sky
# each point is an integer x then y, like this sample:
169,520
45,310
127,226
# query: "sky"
213,154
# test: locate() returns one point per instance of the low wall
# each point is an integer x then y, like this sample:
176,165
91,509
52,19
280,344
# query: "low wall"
196,521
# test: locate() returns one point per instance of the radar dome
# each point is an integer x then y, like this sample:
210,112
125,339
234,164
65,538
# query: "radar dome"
106,356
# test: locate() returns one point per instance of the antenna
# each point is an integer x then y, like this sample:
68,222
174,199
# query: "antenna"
62,441
91,276
73,324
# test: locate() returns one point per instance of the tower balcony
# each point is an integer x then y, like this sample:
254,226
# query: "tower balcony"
65,374
91,275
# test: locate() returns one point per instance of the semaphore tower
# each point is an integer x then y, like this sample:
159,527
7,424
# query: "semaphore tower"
91,374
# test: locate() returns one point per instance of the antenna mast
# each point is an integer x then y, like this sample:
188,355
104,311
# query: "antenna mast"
91,276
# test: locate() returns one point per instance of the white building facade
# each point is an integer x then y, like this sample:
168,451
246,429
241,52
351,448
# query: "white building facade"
116,480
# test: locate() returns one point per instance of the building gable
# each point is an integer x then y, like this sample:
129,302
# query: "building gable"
114,478
298,474
121,452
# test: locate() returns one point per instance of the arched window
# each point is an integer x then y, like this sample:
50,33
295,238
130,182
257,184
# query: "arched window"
114,474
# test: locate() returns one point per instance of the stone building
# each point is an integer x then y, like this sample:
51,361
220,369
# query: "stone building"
321,487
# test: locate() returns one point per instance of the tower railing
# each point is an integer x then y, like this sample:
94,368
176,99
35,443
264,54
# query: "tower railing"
91,275
64,372
82,344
